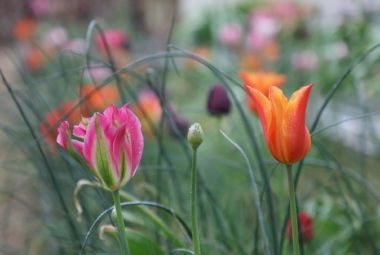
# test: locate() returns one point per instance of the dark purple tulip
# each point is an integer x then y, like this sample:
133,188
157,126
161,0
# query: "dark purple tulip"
178,125
218,102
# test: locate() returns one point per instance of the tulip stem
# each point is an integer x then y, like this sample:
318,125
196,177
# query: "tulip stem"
194,217
293,211
120,224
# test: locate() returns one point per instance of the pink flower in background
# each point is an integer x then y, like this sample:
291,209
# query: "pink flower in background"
304,61
263,29
230,34
116,39
40,7
55,37
111,143
337,50
97,72
287,12
76,45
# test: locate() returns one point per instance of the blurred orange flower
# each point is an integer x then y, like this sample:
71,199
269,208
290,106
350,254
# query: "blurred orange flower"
201,51
34,59
148,110
271,51
250,61
49,126
25,29
98,98
261,81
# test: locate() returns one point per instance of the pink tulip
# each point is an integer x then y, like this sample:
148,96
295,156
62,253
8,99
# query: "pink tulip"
110,143
115,38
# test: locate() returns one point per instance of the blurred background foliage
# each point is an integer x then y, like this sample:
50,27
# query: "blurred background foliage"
54,59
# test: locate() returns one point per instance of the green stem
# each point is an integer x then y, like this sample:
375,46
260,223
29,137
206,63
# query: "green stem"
120,224
293,211
193,193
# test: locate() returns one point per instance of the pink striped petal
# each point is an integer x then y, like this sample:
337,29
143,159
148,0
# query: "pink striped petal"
90,142
136,140
63,137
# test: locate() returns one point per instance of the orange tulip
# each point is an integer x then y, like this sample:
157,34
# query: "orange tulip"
283,122
261,81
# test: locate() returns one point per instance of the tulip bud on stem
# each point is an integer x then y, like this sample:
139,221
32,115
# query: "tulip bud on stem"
120,224
195,138
293,211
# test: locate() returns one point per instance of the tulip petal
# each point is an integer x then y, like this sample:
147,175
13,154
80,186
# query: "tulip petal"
63,137
90,142
136,140
277,132
121,157
79,131
298,137
263,107
78,146
103,153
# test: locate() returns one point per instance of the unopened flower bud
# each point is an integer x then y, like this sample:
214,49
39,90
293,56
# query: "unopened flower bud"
195,135
218,102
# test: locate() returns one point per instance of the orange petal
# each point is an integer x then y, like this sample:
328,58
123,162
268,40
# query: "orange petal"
298,135
276,132
263,107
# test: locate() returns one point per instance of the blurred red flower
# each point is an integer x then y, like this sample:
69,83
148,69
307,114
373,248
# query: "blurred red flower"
25,29
306,226
49,125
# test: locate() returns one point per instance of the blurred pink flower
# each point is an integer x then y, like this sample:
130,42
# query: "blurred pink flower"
337,50
40,7
76,45
97,72
262,29
116,39
287,12
230,34
304,61
55,37
111,143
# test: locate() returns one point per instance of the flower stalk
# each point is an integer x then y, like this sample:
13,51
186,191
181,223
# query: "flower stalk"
120,224
293,211
194,216
195,138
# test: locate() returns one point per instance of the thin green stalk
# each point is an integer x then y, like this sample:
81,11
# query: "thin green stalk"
120,224
293,211
194,217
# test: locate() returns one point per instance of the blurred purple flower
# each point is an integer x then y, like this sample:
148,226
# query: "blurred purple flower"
181,123
218,102
230,34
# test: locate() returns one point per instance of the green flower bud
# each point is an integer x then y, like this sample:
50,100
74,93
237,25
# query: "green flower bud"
195,135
